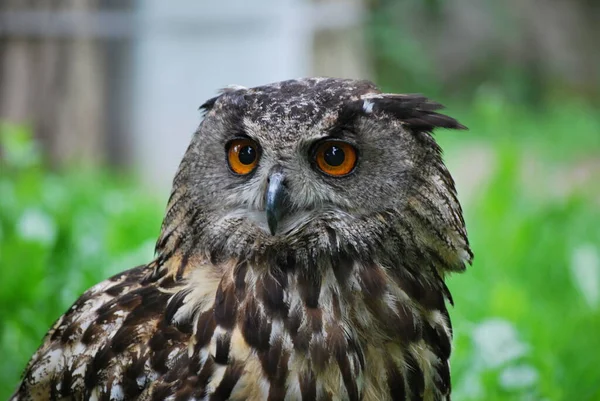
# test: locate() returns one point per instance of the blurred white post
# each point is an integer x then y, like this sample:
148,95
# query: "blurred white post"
185,50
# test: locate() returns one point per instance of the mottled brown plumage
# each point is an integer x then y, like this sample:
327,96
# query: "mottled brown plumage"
345,300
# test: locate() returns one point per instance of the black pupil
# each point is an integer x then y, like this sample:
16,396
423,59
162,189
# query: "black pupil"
334,156
247,155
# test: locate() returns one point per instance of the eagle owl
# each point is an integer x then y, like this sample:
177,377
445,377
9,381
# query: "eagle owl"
302,256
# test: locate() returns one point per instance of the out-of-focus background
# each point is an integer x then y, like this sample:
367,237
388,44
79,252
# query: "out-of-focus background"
99,98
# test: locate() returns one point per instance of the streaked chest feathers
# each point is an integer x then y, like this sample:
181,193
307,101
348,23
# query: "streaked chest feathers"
241,332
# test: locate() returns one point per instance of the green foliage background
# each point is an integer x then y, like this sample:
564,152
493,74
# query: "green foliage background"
60,232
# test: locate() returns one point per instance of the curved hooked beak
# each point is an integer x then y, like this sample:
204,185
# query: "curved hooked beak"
276,204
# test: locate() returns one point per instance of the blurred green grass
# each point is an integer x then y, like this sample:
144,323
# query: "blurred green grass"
527,314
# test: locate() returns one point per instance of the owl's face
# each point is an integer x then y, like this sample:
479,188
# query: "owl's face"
318,162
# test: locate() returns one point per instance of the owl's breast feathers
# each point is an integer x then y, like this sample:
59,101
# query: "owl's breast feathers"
357,331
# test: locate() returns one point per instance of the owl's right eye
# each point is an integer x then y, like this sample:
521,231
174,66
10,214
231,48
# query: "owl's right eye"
242,155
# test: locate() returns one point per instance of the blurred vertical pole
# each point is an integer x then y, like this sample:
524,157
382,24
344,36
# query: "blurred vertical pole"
339,43
55,81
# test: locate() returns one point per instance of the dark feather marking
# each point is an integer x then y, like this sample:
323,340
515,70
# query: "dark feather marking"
294,320
164,238
415,377
342,269
216,255
161,392
99,362
270,359
336,340
395,381
287,263
158,360
421,291
347,116
169,282
276,393
70,333
186,388
444,287
128,302
373,281
209,104
194,364
222,350
131,374
335,306
152,302
206,372
275,365
54,393
255,327
205,328
239,276
117,289
353,346
124,337
314,318
405,324
158,341
301,339
414,110
225,307
271,290
442,379
308,385
173,306
432,298
348,378
230,378
438,340
309,286
66,383
319,354
332,236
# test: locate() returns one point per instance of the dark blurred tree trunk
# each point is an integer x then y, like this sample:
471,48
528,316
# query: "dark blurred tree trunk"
55,84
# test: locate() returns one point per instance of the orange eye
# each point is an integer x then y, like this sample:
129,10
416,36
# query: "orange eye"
242,156
336,158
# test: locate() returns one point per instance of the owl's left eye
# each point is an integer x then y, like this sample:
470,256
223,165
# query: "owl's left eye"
336,158
242,155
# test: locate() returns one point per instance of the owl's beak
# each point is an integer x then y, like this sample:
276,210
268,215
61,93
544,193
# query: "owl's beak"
275,200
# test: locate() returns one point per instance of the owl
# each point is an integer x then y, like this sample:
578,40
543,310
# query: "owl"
302,257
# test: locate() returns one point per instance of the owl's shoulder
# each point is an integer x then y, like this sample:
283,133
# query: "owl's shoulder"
107,342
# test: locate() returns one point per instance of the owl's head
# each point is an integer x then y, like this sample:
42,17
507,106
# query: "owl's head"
316,168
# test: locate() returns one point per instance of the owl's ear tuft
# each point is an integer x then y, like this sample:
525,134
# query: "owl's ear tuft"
208,105
414,110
